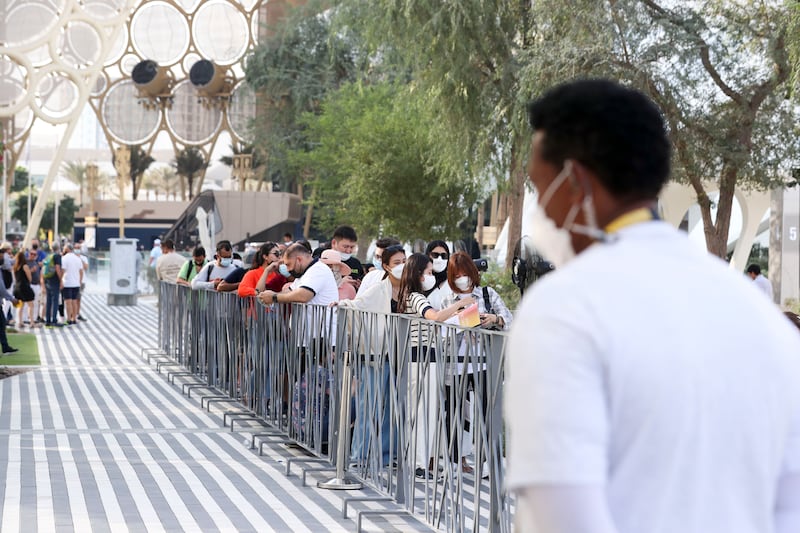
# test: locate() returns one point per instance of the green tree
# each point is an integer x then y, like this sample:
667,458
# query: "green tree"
292,70
66,213
161,179
371,162
140,162
463,58
20,183
189,164
718,69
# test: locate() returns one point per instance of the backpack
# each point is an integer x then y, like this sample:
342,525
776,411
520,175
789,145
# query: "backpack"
49,268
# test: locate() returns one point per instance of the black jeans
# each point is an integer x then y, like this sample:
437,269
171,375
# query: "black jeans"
3,338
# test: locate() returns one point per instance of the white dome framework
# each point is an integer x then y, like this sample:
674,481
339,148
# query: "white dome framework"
57,56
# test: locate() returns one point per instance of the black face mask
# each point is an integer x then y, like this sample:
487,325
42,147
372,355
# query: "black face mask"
200,263
297,273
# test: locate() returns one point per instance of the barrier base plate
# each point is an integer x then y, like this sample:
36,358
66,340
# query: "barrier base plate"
345,483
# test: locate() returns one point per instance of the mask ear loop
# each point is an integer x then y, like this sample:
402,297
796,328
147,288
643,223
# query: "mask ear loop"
545,198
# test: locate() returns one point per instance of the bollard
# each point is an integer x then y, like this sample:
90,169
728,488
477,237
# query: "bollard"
342,481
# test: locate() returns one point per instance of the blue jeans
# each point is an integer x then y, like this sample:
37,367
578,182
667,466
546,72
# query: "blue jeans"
372,405
51,307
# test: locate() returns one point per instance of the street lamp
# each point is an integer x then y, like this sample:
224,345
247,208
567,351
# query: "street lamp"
242,168
122,162
90,226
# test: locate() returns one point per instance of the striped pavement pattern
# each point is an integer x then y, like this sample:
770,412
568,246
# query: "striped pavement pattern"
96,440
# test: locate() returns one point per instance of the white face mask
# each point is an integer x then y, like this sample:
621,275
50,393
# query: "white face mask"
344,256
463,283
553,242
439,264
428,282
397,270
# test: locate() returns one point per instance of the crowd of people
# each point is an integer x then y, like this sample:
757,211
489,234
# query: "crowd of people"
435,285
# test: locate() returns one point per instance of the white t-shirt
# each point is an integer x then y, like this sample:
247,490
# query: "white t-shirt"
72,266
764,285
318,278
653,369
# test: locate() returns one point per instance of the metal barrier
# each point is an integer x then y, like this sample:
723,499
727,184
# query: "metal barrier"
400,401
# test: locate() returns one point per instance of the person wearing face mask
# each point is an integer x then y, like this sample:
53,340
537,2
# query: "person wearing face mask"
215,272
620,420
464,280
314,282
345,241
439,253
374,387
417,279
192,267
264,274
332,258
375,275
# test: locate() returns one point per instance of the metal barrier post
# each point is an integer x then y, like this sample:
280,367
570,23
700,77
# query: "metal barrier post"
342,481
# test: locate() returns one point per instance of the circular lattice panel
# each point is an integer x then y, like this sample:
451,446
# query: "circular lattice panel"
160,32
128,119
241,110
220,32
192,121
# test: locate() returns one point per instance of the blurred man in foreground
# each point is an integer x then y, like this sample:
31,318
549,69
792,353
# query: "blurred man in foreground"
650,388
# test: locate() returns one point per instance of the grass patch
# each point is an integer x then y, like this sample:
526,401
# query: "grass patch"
28,353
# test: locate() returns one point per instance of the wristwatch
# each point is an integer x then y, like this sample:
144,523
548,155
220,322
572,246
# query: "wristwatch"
274,298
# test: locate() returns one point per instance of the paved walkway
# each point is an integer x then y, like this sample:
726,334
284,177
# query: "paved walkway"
96,440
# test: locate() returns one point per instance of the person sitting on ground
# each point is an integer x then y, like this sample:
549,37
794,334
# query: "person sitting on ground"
192,267
215,272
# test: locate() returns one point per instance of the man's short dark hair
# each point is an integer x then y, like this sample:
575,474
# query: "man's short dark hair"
296,249
385,242
345,232
199,252
224,246
615,131
754,269
169,244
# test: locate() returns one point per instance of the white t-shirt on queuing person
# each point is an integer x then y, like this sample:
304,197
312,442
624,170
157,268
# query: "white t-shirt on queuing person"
318,278
652,369
72,266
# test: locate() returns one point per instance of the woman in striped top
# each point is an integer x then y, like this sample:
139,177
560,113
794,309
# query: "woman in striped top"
421,418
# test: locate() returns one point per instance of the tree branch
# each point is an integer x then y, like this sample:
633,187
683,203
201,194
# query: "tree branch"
703,49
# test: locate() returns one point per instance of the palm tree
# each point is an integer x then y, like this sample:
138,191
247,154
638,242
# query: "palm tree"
161,179
256,165
190,163
75,171
140,161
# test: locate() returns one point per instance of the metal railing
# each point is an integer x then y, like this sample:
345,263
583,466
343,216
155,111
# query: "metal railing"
401,401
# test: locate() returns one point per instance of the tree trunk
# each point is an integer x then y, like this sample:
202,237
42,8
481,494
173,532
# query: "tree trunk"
182,180
516,197
309,210
716,231
135,182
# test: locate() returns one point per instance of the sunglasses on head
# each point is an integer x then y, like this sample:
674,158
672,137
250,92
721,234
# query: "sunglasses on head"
438,255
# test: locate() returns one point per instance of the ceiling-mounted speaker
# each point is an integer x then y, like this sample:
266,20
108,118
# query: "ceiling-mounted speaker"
150,79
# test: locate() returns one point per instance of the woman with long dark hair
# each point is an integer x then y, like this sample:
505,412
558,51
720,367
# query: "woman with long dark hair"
421,423
22,288
439,254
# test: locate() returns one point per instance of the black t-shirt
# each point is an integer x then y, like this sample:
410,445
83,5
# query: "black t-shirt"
236,276
356,269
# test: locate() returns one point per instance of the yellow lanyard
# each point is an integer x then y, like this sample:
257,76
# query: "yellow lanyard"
643,214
